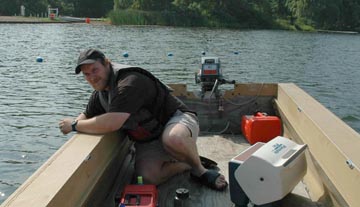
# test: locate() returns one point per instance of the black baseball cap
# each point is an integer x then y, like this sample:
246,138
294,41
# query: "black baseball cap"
88,57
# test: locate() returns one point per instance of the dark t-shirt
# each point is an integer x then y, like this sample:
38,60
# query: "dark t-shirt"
133,92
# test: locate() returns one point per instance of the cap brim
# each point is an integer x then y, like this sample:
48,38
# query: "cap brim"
88,61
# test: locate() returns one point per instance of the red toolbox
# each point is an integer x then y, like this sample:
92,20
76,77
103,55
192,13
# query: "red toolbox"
260,127
139,195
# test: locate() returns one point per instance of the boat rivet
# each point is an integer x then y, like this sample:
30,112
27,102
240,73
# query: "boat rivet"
350,164
87,158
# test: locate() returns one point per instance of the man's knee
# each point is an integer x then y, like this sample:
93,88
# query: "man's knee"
172,141
175,136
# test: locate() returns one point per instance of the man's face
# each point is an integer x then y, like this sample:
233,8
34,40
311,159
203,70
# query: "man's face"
96,74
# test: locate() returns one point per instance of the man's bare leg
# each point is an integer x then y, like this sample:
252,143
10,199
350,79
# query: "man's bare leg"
178,143
158,171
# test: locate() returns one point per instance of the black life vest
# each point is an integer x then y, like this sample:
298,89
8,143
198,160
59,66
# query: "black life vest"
148,123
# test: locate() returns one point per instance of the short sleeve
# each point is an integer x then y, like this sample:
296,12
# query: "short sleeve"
133,91
94,107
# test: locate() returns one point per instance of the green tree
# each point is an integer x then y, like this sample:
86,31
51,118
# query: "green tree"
91,8
350,14
123,4
32,7
9,7
66,7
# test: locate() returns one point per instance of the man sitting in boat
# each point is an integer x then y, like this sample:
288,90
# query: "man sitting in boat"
133,100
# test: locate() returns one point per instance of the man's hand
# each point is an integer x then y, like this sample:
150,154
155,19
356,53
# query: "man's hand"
65,125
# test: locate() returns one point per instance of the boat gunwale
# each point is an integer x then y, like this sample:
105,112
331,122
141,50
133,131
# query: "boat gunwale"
297,109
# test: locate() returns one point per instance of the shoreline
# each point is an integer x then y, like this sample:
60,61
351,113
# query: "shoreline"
337,32
96,21
44,20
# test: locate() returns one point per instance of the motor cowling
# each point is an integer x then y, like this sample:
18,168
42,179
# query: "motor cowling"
209,72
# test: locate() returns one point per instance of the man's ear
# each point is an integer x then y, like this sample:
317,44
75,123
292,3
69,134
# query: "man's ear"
107,62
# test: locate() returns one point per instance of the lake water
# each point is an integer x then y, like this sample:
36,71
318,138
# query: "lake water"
35,96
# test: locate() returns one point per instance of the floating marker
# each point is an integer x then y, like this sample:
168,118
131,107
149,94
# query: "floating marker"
170,54
39,59
203,52
125,54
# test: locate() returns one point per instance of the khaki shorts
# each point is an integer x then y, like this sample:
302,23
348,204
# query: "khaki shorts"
155,149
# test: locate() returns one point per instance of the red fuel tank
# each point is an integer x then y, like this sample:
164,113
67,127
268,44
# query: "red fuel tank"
140,196
260,127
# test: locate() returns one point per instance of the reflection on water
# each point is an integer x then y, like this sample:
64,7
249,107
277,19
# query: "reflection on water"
35,96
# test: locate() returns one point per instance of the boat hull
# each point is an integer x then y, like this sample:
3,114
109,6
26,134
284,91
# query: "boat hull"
90,170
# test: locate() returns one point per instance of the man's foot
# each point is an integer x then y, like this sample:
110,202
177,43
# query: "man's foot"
212,179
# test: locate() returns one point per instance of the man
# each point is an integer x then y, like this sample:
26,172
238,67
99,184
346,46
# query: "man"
133,100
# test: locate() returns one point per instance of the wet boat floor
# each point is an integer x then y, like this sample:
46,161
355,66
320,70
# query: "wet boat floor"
221,149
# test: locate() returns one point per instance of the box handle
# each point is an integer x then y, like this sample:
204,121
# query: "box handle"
295,155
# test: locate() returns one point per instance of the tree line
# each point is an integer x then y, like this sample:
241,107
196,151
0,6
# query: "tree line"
319,14
80,8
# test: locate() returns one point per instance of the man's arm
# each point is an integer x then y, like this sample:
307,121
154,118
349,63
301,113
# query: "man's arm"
81,116
105,123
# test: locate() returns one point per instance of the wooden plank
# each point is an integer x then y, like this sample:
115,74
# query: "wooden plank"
312,176
332,145
252,89
69,176
240,89
118,173
180,90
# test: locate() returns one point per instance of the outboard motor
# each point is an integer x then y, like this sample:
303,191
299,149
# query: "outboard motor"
210,75
210,71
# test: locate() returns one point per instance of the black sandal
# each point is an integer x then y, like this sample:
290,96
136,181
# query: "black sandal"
209,179
208,163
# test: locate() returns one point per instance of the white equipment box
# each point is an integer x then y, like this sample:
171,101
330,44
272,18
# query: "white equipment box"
266,172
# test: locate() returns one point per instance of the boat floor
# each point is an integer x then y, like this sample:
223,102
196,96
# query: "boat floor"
221,149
